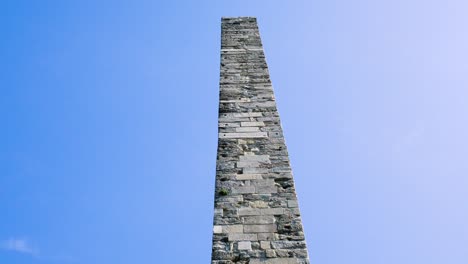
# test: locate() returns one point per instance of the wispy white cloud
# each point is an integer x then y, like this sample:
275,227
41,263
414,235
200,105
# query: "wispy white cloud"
20,245
23,246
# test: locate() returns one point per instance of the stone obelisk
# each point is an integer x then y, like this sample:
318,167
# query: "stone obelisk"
256,215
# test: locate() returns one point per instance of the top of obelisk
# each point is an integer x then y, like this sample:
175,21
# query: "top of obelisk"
241,18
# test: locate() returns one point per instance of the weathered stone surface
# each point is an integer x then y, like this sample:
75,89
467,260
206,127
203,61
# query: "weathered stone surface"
252,124
260,228
265,244
246,237
270,253
292,203
217,229
256,217
249,177
244,245
247,129
268,236
254,170
263,211
253,157
243,189
228,229
287,244
274,261
244,135
258,220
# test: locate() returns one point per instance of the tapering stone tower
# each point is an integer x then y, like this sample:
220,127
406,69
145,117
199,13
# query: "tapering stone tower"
256,217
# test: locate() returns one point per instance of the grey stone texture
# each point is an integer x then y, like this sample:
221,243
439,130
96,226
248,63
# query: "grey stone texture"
256,216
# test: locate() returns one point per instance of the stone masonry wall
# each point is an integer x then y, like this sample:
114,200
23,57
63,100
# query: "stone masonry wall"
256,217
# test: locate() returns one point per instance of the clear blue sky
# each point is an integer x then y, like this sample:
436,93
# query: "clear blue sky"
108,134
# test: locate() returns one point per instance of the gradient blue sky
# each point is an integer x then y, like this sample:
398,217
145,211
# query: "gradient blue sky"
108,133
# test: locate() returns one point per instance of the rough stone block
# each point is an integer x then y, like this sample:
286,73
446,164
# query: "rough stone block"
250,164
260,228
247,129
287,244
275,261
263,182
249,177
258,204
243,189
272,211
267,236
248,211
267,189
251,114
258,220
228,124
228,229
244,245
292,203
257,158
270,253
252,124
265,245
260,211
244,135
242,237
217,229
254,170
218,212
